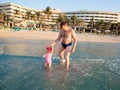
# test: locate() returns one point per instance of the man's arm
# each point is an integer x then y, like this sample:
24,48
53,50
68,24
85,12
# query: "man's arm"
57,40
75,41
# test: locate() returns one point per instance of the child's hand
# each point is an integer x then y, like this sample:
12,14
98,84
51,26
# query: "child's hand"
44,56
52,44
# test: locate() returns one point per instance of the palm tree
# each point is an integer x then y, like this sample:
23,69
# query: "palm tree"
42,19
6,19
100,24
74,20
38,18
61,18
68,20
81,22
115,28
28,14
118,25
17,12
2,15
92,23
41,16
48,12
106,25
38,14
33,17
2,19
53,19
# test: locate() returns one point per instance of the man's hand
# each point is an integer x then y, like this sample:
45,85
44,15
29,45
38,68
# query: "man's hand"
75,41
73,50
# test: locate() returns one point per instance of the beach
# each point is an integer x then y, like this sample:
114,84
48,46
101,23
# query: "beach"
11,36
95,65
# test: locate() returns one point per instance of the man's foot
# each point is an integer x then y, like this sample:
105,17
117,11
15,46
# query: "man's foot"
67,69
62,62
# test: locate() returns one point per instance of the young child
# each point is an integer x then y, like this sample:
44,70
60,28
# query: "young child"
48,57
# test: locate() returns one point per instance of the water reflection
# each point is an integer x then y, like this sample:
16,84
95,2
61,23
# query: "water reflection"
84,50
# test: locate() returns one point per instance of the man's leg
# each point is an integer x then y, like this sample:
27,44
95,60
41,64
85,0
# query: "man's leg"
67,56
61,54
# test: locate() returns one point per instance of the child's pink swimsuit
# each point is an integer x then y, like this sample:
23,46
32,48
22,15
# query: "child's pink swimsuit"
48,57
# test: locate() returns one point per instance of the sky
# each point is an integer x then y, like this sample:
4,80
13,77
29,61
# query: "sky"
70,5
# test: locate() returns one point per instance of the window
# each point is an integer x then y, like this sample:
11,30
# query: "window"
115,18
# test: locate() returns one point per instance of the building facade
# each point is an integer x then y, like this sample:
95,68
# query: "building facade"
112,17
10,10
1,20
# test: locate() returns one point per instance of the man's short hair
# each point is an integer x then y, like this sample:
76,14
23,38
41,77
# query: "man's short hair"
63,23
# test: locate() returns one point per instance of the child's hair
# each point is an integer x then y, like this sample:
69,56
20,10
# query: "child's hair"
49,49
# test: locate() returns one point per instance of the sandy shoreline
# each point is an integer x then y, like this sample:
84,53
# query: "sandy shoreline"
12,36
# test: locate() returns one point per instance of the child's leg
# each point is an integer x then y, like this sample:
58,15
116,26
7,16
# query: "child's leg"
45,65
49,65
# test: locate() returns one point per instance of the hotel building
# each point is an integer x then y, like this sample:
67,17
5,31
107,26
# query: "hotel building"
112,17
9,10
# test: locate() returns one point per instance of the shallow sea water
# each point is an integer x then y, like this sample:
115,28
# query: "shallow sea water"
94,66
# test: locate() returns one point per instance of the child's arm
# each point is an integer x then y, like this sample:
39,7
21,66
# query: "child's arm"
52,50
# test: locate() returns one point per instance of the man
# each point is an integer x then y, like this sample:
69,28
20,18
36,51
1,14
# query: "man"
66,35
